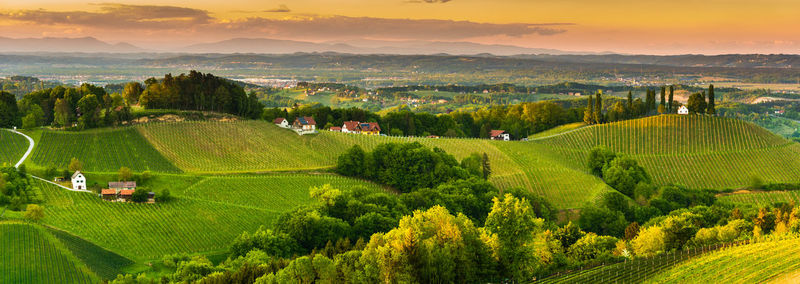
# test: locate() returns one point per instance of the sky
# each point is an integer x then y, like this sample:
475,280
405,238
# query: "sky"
636,27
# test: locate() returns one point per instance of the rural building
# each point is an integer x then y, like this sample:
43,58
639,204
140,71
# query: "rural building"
109,194
305,123
370,128
282,122
336,128
350,127
122,185
151,197
499,135
126,194
683,110
78,181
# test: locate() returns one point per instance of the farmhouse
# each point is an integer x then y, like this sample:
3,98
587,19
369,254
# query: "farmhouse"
122,185
78,181
499,135
370,128
335,128
109,194
683,110
350,127
305,123
281,122
126,194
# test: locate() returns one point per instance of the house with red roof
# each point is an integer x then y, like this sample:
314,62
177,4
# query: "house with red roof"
499,135
281,122
351,127
305,123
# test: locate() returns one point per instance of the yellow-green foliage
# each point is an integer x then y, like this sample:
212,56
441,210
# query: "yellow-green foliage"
753,263
29,254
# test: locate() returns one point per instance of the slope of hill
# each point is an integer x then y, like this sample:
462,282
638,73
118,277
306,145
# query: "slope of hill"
204,219
31,255
696,151
100,150
754,263
14,147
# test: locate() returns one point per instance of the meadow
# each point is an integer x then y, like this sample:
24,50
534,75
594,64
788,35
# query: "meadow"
31,255
191,223
100,150
14,146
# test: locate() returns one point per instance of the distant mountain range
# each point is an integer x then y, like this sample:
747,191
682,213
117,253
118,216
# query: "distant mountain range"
54,44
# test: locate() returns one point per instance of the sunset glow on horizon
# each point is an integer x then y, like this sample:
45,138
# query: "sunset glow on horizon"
641,27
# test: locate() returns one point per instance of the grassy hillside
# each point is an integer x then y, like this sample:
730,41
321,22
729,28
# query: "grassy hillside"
14,146
104,150
696,151
31,255
761,199
192,223
754,263
102,262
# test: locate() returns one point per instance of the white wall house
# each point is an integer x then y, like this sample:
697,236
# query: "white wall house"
282,122
351,127
78,181
683,110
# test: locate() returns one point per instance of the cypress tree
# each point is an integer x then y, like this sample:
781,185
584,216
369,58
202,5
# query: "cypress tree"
588,113
662,106
629,109
598,110
648,102
671,92
710,108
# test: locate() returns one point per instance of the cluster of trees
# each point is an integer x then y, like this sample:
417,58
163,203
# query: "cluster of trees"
16,190
87,106
699,103
198,91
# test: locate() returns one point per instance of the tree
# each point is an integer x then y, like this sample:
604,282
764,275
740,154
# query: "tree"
34,212
351,163
164,196
649,101
9,111
63,113
34,117
474,164
74,165
662,107
632,231
132,92
569,234
602,221
512,227
598,107
711,107
485,131
629,110
599,157
696,103
670,105
649,242
617,112
125,174
588,112
139,195
89,108
485,167
624,173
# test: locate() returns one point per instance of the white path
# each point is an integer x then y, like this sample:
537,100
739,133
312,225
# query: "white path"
27,153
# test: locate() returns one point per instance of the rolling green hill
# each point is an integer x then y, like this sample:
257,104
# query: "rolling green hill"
764,198
14,146
204,219
31,255
103,150
754,263
696,151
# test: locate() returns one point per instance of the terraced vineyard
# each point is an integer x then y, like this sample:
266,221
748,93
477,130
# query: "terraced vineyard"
754,263
761,199
103,150
696,151
14,146
190,224
268,191
29,254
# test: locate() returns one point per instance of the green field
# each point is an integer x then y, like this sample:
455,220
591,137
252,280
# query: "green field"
29,254
695,151
103,150
14,146
753,263
557,130
192,223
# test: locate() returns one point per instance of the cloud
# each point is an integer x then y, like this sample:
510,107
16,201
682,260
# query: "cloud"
120,16
170,23
281,9
356,27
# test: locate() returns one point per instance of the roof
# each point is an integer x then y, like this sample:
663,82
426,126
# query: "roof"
108,192
122,184
370,126
126,192
76,174
496,133
350,125
279,120
306,120
336,128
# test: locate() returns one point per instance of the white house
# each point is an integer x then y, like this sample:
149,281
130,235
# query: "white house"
499,135
305,123
78,181
683,110
351,127
282,122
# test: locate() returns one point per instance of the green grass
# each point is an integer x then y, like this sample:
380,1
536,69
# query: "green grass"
29,254
192,223
102,262
753,263
761,199
101,150
695,151
557,130
14,146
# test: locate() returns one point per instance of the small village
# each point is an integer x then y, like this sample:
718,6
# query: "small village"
307,125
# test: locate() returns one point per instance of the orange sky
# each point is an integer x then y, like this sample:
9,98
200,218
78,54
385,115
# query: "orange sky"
644,26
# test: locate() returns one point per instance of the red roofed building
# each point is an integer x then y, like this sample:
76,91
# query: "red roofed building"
109,194
126,194
336,128
370,128
499,135
282,122
351,127
305,123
